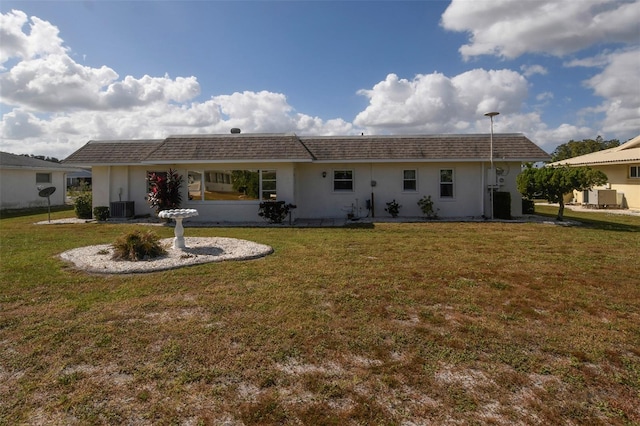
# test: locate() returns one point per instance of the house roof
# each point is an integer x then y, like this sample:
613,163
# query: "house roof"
465,147
293,148
13,161
628,152
122,152
230,148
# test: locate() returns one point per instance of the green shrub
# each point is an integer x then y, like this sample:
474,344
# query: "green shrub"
528,206
137,245
393,208
101,213
82,205
274,211
426,205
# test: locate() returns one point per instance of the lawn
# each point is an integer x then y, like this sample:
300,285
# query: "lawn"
423,323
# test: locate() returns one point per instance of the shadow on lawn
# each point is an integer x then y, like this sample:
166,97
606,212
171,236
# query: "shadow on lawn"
595,222
31,211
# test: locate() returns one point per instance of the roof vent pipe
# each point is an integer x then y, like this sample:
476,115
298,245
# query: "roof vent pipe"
235,130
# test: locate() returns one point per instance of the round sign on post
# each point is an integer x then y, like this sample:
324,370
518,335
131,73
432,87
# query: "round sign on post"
46,193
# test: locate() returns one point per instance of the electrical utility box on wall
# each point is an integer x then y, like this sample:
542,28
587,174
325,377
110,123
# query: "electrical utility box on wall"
494,180
491,178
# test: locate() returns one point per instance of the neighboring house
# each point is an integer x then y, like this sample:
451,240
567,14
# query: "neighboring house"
226,176
621,165
76,180
21,179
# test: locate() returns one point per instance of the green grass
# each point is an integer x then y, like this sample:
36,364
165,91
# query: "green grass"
430,323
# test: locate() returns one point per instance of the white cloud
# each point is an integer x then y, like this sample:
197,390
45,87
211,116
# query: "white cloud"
618,85
436,103
618,77
544,96
510,28
42,39
19,124
529,70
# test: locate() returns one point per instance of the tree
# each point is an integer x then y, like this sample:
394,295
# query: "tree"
577,148
552,183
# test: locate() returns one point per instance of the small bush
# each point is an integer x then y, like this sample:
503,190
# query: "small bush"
82,205
528,206
426,205
137,245
101,213
393,208
274,211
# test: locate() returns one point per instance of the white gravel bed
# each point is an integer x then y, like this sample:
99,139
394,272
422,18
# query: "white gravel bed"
97,259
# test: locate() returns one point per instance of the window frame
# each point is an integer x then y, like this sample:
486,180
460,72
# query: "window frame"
41,174
450,184
343,180
631,172
263,191
223,176
405,180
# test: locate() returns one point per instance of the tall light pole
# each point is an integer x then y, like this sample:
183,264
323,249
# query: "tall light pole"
492,174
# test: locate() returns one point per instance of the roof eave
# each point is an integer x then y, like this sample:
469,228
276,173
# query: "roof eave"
433,160
228,161
48,169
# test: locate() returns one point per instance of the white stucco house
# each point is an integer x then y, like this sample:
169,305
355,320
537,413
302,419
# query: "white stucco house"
21,179
227,176
622,167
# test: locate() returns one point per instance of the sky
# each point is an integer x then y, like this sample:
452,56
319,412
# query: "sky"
556,70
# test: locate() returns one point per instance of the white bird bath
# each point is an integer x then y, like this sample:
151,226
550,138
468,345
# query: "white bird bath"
178,215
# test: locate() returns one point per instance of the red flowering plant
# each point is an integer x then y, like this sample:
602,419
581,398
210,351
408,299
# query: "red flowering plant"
164,190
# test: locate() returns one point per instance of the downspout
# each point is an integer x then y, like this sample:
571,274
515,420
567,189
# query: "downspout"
484,173
109,185
372,202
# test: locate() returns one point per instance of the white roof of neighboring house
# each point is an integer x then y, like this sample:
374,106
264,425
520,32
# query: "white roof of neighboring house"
628,152
22,162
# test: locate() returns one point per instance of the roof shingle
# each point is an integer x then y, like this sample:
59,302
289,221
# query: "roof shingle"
113,152
232,147
467,147
292,148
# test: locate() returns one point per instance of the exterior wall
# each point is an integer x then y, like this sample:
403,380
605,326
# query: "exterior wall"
619,180
18,188
302,184
100,185
317,199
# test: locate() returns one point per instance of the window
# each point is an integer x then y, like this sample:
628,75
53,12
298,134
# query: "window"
343,180
231,185
268,181
194,182
634,172
446,183
409,182
43,177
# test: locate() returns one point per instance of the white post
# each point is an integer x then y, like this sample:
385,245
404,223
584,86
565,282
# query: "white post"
492,184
